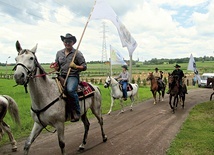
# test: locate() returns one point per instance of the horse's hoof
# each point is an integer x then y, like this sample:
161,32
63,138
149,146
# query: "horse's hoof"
81,147
14,149
131,109
105,139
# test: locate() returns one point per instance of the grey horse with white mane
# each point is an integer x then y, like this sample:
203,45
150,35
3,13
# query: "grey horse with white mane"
48,107
116,92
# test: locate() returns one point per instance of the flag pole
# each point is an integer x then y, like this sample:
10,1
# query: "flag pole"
110,61
69,70
130,78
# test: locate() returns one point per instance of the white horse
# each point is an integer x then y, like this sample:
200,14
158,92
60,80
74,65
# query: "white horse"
116,92
7,103
48,107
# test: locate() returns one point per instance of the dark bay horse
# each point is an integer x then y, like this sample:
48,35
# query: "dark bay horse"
174,84
155,87
7,103
47,104
210,80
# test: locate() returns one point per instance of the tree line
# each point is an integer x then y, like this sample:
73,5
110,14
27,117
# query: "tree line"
153,61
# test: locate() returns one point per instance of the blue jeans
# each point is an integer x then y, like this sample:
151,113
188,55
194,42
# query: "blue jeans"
71,86
124,86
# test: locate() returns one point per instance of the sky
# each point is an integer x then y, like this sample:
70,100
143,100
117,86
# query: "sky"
162,28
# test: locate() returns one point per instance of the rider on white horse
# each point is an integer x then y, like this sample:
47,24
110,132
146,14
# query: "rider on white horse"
124,78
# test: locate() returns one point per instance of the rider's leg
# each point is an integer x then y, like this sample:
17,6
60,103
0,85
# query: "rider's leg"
125,90
72,84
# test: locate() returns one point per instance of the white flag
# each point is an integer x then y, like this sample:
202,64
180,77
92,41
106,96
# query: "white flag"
116,57
192,67
104,11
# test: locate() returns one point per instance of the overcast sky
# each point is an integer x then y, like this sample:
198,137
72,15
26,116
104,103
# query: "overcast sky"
162,28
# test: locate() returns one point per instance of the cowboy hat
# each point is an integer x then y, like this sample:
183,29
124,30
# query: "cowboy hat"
124,66
177,66
68,36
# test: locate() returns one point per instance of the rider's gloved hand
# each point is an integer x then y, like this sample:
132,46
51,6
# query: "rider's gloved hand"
73,65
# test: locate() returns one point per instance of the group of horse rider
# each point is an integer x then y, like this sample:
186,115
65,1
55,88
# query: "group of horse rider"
68,57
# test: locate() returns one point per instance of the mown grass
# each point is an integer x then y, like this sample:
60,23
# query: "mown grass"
24,104
196,136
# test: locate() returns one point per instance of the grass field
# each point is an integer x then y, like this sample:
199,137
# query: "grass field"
102,69
196,136
24,104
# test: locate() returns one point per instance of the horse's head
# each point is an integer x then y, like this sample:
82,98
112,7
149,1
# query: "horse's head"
150,76
25,64
210,81
173,79
107,82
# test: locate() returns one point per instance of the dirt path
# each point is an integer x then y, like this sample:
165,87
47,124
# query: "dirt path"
147,130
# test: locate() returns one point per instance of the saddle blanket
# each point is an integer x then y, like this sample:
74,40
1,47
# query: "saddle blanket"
85,90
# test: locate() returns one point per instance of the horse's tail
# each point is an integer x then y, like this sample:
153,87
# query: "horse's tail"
13,109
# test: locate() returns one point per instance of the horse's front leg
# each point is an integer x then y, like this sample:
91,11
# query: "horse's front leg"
154,96
170,101
37,128
121,104
7,129
132,102
112,104
60,132
211,96
159,96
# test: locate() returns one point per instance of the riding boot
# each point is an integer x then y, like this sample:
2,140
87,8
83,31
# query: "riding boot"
76,112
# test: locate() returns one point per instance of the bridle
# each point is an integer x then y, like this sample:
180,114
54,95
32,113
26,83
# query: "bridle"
109,83
30,73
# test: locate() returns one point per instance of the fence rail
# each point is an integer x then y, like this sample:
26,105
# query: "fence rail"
140,80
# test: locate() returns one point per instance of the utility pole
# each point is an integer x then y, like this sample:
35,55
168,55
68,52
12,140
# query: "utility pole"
104,51
6,65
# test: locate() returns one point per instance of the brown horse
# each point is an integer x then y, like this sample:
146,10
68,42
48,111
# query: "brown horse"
8,104
210,80
155,87
174,84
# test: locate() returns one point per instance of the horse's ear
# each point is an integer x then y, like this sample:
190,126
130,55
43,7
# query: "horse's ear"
34,49
18,46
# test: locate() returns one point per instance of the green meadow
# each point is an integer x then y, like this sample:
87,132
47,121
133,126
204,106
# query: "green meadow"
24,103
195,137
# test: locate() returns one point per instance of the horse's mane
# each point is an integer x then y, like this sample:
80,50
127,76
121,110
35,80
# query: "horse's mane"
41,69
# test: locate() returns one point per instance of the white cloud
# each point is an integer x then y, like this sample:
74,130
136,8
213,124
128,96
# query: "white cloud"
157,33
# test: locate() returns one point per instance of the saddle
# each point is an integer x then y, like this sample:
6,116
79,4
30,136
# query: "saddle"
84,90
128,88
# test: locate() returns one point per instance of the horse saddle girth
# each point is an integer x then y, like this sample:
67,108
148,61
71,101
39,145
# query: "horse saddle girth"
84,89
128,88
